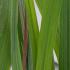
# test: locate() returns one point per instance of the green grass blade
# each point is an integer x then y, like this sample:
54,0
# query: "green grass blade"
20,34
30,60
50,16
32,14
69,33
57,39
15,50
41,5
5,54
32,29
64,60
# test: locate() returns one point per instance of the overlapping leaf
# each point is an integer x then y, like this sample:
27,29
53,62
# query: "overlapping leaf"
5,54
41,5
50,19
32,29
15,51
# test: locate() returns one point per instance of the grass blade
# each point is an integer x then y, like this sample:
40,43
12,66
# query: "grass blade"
32,29
41,5
64,37
5,54
50,15
15,50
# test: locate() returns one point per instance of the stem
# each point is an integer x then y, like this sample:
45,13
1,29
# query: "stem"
25,32
25,44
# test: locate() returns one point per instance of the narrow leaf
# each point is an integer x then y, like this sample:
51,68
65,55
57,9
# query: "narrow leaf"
15,50
5,54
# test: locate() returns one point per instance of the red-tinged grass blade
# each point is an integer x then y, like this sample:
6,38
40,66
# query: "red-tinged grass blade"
32,29
25,46
64,58
23,17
